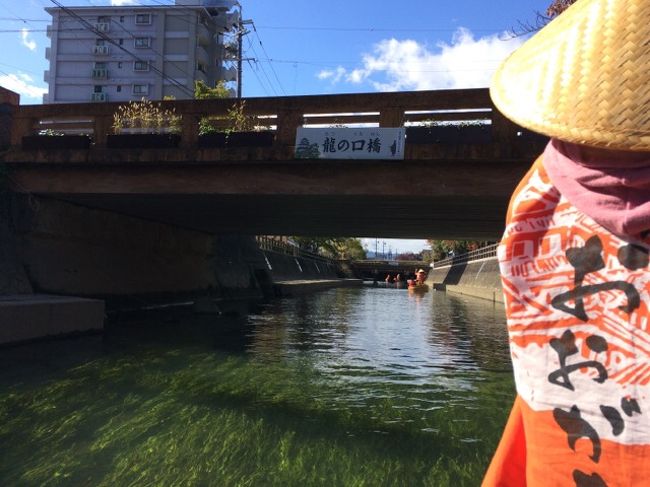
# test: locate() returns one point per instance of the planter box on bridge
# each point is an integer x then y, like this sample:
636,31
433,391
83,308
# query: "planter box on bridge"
350,143
54,142
449,134
142,141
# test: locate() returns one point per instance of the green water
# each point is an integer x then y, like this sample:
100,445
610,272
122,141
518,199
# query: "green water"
349,387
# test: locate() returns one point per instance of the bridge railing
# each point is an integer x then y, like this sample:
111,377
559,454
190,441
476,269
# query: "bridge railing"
274,245
285,114
478,254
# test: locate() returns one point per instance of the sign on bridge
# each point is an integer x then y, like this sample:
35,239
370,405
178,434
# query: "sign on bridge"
350,143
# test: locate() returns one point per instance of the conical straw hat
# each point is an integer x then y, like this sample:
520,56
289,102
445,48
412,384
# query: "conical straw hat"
585,77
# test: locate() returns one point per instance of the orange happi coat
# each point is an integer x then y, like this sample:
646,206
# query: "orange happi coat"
577,300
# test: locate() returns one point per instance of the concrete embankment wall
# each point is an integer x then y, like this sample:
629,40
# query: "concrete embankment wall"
479,278
284,267
54,255
55,247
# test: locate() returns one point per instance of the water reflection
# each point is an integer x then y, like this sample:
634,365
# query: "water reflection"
345,387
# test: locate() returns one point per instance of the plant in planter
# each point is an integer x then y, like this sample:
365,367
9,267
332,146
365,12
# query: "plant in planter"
49,139
235,129
434,132
144,124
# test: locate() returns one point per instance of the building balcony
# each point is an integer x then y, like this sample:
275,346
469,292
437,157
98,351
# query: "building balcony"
102,27
46,76
99,97
101,50
100,73
48,52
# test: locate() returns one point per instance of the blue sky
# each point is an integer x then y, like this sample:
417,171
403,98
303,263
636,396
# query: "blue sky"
310,47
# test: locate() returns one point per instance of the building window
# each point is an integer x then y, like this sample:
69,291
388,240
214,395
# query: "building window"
98,89
119,88
143,19
100,42
200,67
142,42
100,65
119,65
141,66
122,19
140,89
121,42
103,19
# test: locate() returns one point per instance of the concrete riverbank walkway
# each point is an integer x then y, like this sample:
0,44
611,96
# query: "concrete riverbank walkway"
297,287
29,316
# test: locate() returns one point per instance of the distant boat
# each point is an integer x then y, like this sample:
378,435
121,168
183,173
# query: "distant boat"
418,288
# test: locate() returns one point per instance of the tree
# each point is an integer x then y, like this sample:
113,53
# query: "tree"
554,9
558,6
409,256
203,92
336,248
442,248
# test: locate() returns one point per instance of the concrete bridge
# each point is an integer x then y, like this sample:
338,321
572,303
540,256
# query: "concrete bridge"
443,190
378,269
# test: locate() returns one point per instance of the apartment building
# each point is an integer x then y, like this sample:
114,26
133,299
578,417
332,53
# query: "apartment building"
128,52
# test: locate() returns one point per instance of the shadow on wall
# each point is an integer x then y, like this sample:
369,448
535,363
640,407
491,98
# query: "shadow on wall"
451,275
284,267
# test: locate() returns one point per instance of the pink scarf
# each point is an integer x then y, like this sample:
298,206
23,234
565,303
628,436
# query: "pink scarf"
612,187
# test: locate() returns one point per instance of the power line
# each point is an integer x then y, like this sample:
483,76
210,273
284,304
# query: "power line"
160,55
262,69
108,39
267,57
259,80
365,29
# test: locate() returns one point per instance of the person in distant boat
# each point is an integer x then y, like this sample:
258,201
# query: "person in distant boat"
420,277
398,281
388,279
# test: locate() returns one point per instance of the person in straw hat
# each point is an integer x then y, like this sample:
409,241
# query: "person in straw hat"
574,257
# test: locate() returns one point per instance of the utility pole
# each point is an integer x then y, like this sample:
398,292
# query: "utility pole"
241,32
240,52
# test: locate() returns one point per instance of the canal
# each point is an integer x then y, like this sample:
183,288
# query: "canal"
348,387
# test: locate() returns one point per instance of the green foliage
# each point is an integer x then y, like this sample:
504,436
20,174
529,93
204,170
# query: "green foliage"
146,115
239,121
235,120
334,247
441,249
203,92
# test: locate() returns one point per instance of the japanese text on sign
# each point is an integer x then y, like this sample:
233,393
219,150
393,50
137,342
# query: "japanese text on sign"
350,143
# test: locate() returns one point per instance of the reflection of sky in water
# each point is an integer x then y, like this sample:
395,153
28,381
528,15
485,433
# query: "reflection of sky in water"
394,333
344,387
367,340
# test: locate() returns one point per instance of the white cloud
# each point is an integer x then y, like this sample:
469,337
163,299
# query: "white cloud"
398,65
27,42
118,3
333,75
22,83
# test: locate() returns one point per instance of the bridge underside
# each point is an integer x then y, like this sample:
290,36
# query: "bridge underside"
403,199
359,216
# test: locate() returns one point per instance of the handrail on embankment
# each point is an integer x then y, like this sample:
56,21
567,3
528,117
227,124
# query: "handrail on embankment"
478,254
274,245
285,114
